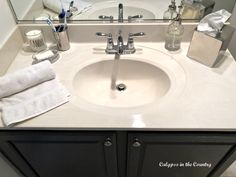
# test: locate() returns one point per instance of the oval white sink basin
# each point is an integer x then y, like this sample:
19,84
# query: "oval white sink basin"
143,83
128,11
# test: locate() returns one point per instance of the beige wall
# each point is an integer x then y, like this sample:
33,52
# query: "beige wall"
8,26
22,7
232,46
9,34
227,4
7,22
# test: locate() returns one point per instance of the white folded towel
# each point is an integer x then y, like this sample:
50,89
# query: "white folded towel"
56,6
26,78
34,100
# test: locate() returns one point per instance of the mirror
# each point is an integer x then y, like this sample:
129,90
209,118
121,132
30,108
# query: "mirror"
107,10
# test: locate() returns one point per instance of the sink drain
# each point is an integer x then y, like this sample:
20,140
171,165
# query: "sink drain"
121,87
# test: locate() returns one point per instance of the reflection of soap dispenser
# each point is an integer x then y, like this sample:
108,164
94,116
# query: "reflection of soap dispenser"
174,34
171,12
181,6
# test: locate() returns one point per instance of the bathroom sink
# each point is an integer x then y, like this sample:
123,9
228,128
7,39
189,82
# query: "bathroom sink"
128,11
121,83
110,8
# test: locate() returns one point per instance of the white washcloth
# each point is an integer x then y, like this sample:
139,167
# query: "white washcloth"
26,78
33,101
55,5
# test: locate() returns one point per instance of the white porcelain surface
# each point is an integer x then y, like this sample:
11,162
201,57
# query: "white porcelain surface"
112,10
153,79
145,83
199,98
150,10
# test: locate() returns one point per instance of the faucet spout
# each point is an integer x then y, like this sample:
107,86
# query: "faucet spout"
120,45
120,13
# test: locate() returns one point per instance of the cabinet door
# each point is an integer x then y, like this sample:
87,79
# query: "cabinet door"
65,154
175,155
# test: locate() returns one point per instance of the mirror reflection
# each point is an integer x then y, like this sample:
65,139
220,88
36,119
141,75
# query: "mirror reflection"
116,10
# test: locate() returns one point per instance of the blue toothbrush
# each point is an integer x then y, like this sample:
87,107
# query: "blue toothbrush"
49,22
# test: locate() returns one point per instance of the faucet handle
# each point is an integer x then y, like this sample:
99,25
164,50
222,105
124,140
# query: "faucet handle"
135,17
130,44
104,17
100,34
110,43
140,34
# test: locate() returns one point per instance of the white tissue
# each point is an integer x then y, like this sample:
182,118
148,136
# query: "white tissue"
214,22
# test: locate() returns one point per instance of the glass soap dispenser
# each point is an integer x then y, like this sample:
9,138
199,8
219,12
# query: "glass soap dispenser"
171,13
174,34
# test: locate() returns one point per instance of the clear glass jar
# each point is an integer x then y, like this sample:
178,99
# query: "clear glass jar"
174,35
35,40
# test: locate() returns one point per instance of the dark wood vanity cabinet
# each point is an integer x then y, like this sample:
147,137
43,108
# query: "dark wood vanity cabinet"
62,154
118,154
179,154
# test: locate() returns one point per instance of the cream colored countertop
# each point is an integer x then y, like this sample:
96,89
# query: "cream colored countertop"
202,98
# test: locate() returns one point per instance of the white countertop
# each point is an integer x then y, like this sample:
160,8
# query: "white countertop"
204,99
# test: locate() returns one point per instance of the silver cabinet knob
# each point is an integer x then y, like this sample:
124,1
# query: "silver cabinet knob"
110,43
136,143
108,142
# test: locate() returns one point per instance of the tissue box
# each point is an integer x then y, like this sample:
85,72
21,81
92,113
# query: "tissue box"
209,50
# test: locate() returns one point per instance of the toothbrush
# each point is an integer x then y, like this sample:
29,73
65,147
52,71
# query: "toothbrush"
71,5
49,22
61,4
65,22
62,14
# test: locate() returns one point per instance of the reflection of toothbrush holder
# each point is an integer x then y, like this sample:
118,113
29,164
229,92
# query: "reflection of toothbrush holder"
62,39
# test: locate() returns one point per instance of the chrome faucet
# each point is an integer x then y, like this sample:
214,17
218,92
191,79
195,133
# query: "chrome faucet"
120,48
120,44
120,16
120,13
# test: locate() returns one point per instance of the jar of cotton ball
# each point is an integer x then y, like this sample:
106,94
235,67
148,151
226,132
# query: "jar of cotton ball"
36,40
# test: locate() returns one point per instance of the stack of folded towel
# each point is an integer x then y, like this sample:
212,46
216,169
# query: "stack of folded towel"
30,92
56,5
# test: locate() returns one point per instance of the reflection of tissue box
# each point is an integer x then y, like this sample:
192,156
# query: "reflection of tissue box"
209,50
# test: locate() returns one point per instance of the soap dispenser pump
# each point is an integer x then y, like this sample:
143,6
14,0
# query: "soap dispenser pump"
174,34
171,12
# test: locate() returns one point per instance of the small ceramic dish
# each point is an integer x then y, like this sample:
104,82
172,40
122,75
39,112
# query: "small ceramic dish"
53,57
